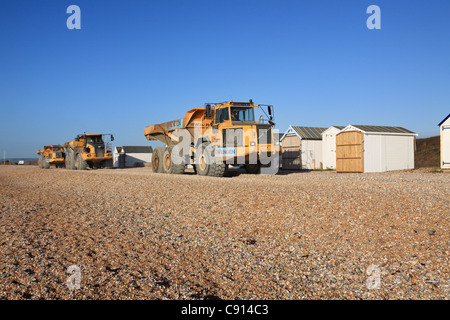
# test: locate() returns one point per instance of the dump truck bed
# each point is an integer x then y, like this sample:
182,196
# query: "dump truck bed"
163,131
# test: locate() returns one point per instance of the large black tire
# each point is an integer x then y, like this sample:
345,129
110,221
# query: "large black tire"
206,163
70,161
203,160
168,164
97,165
253,168
45,164
221,169
157,160
80,164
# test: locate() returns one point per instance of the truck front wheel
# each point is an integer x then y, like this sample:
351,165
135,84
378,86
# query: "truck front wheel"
80,163
206,163
45,164
70,161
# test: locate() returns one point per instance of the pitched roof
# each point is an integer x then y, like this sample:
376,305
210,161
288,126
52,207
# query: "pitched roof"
385,129
339,128
443,120
309,133
137,149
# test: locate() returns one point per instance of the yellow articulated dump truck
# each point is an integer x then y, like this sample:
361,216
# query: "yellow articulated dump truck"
51,155
88,150
216,136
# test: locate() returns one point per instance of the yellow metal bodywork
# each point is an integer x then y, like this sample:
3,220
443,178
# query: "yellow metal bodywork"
86,150
196,121
50,154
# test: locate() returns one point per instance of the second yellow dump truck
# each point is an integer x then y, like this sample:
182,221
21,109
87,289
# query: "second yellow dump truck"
51,155
213,137
88,150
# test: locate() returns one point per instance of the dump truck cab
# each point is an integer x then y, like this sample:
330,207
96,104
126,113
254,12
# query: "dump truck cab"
94,147
238,135
88,150
51,155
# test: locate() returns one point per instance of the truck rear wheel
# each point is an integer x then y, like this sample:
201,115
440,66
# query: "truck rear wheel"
157,160
168,164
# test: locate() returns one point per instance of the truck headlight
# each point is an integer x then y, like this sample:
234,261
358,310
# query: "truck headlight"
252,143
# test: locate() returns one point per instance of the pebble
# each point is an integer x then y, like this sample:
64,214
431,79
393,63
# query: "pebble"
139,235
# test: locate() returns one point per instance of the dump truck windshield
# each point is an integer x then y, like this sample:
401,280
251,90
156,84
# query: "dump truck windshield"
242,114
94,139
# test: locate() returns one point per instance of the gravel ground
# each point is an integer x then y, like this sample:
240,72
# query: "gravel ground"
133,234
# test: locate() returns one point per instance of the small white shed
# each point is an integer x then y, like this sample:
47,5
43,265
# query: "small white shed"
329,146
374,149
445,142
132,156
301,148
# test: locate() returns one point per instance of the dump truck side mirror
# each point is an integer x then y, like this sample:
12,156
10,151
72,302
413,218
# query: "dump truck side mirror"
270,110
112,138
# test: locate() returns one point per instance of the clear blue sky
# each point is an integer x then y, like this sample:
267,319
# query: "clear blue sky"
136,63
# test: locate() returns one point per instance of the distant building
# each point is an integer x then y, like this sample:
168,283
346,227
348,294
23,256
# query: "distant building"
374,149
445,142
132,156
302,148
